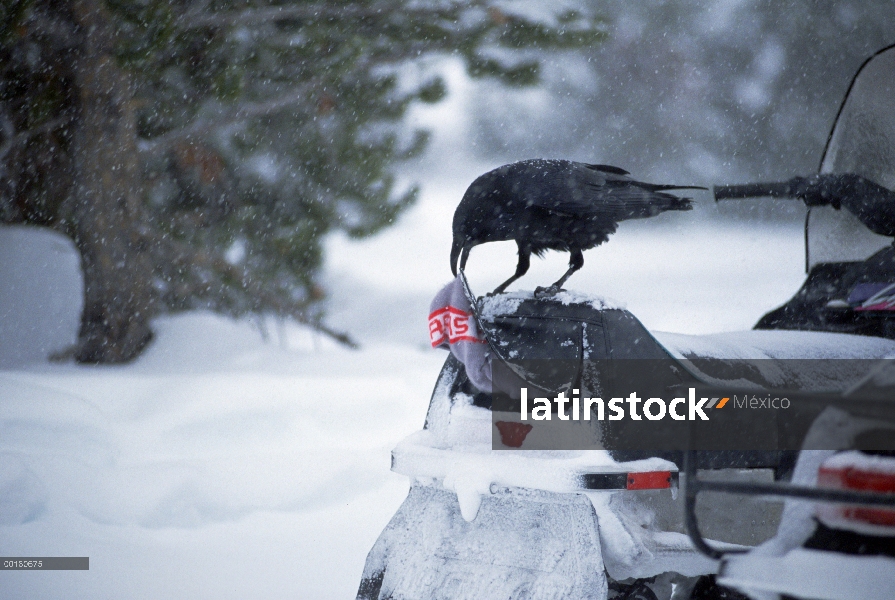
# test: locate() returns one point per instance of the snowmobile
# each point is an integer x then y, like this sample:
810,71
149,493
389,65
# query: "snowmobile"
836,539
500,508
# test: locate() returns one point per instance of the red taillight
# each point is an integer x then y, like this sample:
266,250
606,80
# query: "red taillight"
859,472
651,480
512,434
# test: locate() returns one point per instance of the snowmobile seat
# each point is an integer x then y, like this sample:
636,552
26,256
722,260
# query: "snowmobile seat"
570,341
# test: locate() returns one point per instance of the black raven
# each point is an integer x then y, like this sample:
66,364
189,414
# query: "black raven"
553,205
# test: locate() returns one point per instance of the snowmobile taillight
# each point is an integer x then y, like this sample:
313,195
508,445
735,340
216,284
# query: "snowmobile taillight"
860,472
649,480
512,434
644,480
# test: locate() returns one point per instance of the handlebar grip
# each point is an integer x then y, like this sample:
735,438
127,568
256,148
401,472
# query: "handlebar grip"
753,190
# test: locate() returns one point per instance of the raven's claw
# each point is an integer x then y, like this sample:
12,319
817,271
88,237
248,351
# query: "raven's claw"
540,292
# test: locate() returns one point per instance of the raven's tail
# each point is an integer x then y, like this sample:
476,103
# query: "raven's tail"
674,203
650,204
670,201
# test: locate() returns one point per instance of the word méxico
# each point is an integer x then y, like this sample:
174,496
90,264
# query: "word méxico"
654,409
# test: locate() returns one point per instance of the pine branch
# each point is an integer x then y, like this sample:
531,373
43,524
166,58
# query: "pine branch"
59,32
13,138
202,126
322,10
182,259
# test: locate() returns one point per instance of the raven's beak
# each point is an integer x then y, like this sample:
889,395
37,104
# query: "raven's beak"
455,255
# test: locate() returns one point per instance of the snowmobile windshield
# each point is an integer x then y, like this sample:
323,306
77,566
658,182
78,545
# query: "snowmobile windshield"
863,142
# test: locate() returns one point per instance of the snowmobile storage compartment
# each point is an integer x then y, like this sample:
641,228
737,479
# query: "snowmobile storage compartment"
584,346
581,346
568,342
565,326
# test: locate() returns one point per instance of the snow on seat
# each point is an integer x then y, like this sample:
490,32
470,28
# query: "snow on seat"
799,360
764,344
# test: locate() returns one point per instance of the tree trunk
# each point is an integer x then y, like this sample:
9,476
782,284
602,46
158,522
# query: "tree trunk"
103,212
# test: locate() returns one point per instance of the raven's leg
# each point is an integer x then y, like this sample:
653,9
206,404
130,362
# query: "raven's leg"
521,267
576,261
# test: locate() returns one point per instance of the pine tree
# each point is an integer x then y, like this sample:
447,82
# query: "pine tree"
197,151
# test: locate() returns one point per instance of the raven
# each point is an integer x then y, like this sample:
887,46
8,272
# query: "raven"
553,205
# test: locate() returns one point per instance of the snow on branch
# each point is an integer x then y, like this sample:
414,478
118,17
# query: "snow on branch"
321,10
202,126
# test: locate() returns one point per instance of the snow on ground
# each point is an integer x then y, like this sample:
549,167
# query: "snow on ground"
40,294
217,466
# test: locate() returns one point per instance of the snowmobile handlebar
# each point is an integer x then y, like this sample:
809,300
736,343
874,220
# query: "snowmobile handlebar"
871,203
782,189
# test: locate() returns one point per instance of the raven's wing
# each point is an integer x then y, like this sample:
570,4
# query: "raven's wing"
582,189
608,169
